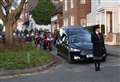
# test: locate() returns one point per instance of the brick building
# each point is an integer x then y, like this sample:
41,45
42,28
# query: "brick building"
57,16
75,12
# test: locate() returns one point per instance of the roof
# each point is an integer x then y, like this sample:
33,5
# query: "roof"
59,9
71,30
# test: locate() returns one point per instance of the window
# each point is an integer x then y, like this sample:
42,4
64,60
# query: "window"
66,22
72,20
83,22
61,0
66,5
99,2
72,4
82,1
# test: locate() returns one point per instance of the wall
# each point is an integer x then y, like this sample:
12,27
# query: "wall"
79,11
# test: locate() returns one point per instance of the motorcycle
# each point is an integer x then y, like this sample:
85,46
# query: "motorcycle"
49,43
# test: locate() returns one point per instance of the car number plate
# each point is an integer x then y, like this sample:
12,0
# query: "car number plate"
76,57
89,56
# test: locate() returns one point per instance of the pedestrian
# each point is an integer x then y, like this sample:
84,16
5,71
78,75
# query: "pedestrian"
98,46
45,40
37,39
41,39
50,41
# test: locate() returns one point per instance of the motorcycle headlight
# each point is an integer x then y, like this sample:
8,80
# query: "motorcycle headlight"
74,50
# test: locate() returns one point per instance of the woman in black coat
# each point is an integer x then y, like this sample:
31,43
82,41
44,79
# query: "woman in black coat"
98,47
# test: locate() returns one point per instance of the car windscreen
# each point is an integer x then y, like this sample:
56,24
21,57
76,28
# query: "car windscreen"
76,31
80,38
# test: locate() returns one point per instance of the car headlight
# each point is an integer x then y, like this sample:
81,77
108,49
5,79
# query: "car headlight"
75,50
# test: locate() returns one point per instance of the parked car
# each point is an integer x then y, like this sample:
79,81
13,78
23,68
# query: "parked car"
75,44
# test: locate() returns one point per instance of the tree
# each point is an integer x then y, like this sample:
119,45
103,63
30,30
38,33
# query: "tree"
42,12
9,13
1,27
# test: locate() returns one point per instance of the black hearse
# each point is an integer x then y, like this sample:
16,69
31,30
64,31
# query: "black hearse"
74,43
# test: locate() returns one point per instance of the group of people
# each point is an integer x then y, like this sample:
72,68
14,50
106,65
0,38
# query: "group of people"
45,40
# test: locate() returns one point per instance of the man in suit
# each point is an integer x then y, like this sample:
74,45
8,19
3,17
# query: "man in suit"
98,46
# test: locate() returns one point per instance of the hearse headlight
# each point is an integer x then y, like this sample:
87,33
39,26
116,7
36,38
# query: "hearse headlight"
74,50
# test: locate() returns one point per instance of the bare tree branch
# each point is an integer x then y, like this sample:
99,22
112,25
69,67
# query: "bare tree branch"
6,5
2,16
16,13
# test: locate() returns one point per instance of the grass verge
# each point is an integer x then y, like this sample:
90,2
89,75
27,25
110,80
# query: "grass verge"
27,57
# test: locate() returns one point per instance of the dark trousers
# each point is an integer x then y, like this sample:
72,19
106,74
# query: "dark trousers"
97,65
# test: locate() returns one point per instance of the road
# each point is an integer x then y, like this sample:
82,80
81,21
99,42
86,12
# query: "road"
64,72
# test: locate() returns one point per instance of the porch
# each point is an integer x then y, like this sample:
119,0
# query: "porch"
110,18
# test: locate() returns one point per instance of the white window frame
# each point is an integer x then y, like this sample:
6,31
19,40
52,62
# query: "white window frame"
72,20
83,22
61,0
72,4
66,5
82,1
66,22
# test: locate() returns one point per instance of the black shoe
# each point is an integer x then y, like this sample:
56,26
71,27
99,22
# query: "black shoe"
97,69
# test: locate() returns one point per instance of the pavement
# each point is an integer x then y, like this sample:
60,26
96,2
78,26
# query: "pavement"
113,50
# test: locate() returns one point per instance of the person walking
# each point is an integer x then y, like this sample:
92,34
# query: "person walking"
37,39
98,46
50,41
45,41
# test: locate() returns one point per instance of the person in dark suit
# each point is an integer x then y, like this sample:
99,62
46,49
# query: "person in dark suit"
98,46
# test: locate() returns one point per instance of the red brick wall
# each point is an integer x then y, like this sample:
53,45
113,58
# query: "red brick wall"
84,9
79,11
